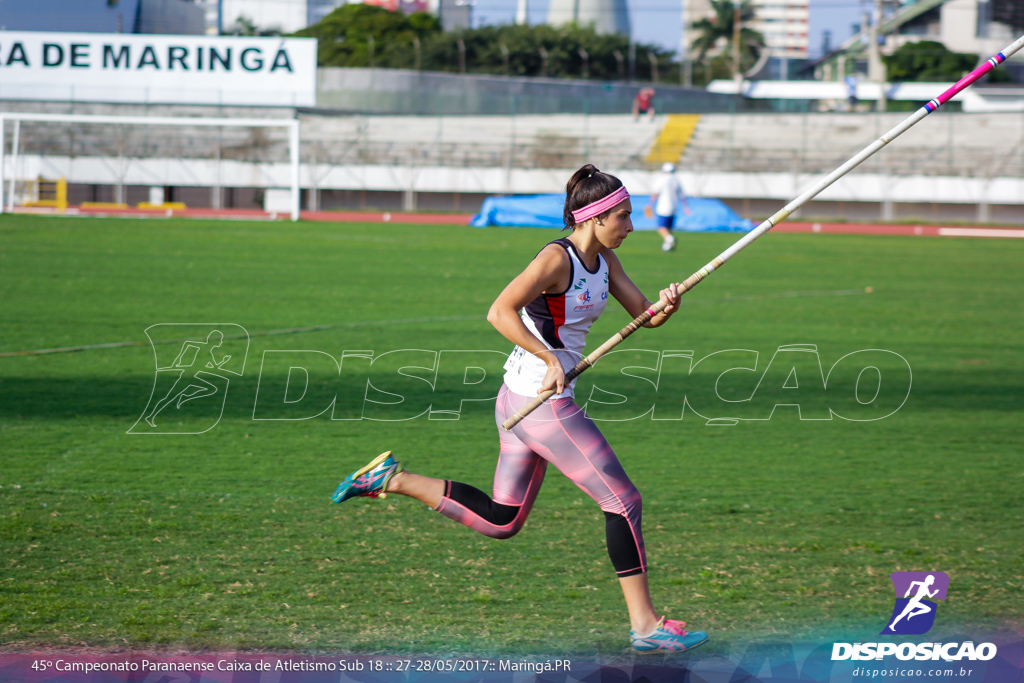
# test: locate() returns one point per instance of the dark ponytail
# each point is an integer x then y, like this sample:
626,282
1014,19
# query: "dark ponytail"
586,186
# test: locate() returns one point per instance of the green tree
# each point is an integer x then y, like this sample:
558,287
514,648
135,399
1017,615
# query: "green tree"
344,36
244,26
344,41
927,60
565,46
718,29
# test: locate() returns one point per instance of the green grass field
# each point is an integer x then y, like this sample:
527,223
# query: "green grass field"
226,540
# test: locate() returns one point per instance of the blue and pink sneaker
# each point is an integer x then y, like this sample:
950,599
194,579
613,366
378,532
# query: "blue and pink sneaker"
668,636
370,480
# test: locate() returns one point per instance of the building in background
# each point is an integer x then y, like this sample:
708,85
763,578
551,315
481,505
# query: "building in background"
979,27
454,14
182,17
1008,12
288,16
171,17
607,16
318,9
783,23
211,16
960,25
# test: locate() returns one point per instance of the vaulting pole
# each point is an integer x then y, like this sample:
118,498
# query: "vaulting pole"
779,216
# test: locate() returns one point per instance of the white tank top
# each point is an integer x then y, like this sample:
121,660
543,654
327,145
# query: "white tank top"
561,321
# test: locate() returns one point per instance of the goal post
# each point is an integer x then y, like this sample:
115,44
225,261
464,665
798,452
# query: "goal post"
8,162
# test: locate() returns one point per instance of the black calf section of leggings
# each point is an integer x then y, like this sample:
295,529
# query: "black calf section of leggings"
622,548
479,502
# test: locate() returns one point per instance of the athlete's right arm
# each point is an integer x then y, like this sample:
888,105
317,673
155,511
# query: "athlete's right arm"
549,272
682,198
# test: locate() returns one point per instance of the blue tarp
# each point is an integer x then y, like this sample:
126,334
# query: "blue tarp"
545,211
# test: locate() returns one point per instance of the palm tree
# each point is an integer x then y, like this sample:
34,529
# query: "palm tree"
721,26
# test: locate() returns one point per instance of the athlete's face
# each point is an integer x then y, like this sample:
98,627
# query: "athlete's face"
613,229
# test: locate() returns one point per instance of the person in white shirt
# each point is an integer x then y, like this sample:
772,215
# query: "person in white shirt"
665,200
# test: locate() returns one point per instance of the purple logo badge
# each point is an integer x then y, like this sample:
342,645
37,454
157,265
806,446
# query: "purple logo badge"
916,592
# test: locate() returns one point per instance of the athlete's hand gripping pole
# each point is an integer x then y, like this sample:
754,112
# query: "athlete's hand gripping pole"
767,225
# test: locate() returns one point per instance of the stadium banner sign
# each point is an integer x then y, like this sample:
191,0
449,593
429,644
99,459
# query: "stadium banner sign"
779,660
157,69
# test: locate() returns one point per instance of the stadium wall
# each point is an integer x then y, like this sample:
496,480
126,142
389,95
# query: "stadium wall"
341,170
864,196
398,91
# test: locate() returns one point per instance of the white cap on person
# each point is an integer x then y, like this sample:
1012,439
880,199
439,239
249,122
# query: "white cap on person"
668,167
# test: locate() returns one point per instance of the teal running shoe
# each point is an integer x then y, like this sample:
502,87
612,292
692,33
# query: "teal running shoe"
668,636
370,480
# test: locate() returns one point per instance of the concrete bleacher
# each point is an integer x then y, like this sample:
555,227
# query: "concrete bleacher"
57,139
522,141
525,141
944,143
453,162
948,144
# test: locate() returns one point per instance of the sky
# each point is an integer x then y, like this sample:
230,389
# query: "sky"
654,21
660,21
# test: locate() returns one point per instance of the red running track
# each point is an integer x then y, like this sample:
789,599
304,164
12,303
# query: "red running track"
258,214
888,229
463,219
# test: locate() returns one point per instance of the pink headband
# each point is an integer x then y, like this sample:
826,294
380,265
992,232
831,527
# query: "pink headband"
601,205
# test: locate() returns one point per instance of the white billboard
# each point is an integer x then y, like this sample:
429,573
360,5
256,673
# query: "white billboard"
157,69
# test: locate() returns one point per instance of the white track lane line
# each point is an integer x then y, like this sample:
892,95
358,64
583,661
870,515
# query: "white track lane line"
408,321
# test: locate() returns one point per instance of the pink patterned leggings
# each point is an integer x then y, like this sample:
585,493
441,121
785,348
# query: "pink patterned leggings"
558,432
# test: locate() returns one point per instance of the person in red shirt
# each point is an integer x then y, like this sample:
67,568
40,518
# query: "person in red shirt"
644,104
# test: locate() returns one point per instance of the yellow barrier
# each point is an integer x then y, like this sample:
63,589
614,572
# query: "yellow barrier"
673,138
103,205
51,193
174,206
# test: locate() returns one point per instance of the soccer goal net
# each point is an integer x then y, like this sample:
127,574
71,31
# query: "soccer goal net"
60,162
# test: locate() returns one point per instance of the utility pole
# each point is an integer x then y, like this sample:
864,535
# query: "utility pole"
736,74
632,60
876,68
686,77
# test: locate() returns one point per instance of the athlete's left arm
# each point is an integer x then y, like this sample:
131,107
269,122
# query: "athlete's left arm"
630,296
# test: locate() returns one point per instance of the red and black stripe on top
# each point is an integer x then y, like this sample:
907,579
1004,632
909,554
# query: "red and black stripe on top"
548,314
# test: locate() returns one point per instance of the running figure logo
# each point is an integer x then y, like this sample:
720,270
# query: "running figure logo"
914,612
196,381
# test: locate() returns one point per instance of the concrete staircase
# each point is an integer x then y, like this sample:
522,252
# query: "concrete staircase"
672,139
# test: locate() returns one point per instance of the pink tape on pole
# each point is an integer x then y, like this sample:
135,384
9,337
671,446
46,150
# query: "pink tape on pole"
967,80
601,205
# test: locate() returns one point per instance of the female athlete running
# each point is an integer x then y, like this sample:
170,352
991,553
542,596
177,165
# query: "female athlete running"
560,294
